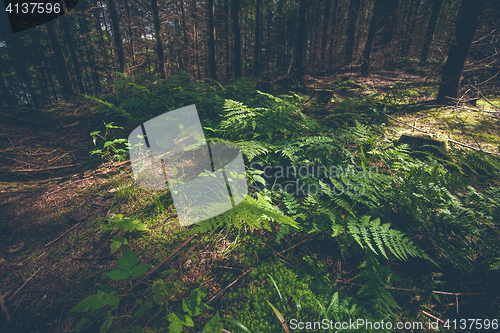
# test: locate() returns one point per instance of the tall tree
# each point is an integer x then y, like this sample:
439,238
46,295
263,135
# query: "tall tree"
211,41
6,97
301,38
325,31
93,63
235,15
351,29
333,39
431,27
365,66
159,45
131,36
72,50
62,68
196,51
257,39
464,33
386,21
115,24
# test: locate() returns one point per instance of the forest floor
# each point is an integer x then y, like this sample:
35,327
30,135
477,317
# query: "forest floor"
52,250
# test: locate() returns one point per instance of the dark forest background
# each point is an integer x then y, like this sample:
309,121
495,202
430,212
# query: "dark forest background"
224,39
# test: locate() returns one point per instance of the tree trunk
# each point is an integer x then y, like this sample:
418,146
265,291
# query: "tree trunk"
74,58
351,29
62,69
235,8
6,97
464,33
159,46
131,37
410,27
226,37
115,24
325,31
386,22
431,27
257,39
197,56
301,38
211,41
333,39
369,41
94,70
184,34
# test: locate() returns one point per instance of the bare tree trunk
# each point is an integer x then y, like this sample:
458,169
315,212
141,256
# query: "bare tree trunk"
301,39
351,29
211,40
5,95
464,33
333,39
115,24
235,9
226,37
325,31
59,59
369,41
96,81
184,33
197,55
257,39
72,51
159,46
131,36
436,7
410,27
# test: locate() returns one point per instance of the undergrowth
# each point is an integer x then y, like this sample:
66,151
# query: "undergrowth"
375,210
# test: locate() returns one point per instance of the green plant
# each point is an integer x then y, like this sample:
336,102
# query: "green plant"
127,225
110,149
108,296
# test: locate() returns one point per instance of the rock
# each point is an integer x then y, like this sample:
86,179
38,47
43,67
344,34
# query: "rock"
425,143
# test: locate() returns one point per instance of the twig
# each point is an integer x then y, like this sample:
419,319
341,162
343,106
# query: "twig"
470,109
29,279
35,137
417,290
163,262
299,243
432,317
229,286
4,308
498,107
13,159
415,124
64,233
45,169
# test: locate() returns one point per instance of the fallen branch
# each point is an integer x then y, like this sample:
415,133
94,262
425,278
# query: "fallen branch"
417,290
4,308
427,314
229,286
299,243
45,169
26,282
487,100
55,240
186,242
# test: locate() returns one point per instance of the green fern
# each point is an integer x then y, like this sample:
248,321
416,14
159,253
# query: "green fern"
255,213
380,237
